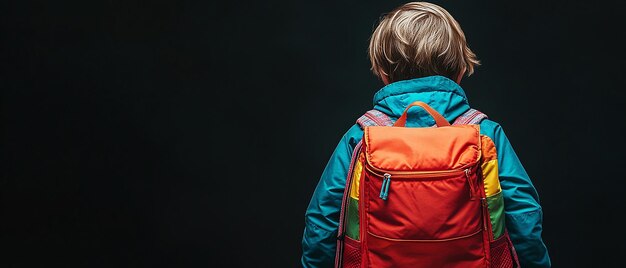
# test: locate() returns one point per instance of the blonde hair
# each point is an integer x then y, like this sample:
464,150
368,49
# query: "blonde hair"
419,39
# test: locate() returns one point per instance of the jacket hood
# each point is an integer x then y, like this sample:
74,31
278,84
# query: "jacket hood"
441,93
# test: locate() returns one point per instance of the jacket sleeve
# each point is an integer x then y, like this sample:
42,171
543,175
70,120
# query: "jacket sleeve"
322,214
521,203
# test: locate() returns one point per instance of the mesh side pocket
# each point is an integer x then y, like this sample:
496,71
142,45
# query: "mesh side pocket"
351,253
502,255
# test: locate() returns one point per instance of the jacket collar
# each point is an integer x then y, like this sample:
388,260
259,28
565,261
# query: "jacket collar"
441,93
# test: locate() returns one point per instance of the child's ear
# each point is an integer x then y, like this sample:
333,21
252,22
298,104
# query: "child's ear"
460,76
385,79
383,76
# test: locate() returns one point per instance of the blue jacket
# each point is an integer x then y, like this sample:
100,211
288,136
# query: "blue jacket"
522,209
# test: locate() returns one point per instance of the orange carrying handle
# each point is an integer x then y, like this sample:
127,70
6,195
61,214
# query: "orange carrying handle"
439,120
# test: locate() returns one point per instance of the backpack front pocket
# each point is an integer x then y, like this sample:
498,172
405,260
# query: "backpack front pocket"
432,219
439,206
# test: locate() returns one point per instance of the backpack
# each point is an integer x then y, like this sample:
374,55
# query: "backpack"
417,197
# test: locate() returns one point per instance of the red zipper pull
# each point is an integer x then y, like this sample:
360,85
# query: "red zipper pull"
470,182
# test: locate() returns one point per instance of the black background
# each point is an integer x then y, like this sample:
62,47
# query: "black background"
192,134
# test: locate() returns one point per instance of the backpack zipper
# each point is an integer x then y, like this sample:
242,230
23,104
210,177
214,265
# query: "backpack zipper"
414,174
384,190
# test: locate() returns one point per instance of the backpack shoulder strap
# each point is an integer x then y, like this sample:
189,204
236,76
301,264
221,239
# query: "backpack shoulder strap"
374,118
471,117
370,118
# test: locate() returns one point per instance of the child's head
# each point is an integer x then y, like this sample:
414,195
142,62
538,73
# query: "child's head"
419,39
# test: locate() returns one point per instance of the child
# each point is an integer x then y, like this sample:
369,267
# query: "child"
420,53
